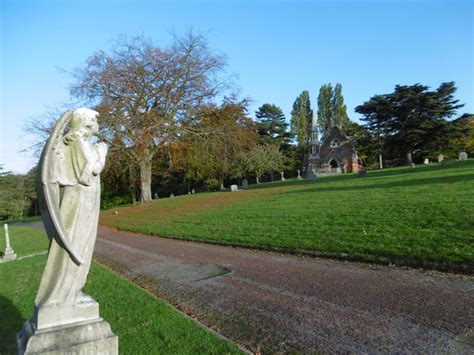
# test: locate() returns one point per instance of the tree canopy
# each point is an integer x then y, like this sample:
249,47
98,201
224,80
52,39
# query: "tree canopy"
331,108
300,119
272,127
412,118
145,93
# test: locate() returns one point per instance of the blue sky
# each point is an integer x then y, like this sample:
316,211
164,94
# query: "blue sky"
276,49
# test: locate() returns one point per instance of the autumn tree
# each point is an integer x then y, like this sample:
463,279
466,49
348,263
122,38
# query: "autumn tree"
219,135
146,93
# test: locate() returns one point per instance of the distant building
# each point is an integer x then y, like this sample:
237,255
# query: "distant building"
335,154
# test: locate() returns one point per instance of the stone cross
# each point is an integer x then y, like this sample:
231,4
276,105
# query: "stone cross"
282,176
8,254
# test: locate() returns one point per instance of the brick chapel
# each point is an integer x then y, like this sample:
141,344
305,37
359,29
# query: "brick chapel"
335,154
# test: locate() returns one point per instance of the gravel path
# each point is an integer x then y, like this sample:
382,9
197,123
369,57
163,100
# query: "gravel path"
271,303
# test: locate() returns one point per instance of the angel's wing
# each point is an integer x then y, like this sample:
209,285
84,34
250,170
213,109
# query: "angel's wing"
48,187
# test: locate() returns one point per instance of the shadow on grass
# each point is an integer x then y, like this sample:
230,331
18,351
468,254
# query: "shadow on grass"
371,186
11,322
373,174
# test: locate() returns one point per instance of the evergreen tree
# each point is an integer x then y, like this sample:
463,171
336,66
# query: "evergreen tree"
412,118
272,126
301,118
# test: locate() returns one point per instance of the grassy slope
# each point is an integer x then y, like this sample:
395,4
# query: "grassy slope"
421,214
143,323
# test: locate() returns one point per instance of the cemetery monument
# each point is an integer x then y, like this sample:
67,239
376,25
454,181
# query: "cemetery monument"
65,319
8,254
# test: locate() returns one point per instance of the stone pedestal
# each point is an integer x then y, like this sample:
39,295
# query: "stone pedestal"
72,329
8,255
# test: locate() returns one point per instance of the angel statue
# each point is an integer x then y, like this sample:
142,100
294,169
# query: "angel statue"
69,195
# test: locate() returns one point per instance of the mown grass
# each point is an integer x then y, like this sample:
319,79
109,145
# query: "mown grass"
144,324
24,241
424,214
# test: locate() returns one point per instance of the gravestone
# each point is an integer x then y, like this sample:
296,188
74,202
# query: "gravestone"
171,195
299,175
8,254
193,191
311,176
282,176
426,161
234,188
245,184
156,197
412,165
440,158
462,156
66,320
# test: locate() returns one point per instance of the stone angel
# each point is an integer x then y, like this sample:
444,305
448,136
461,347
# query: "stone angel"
69,195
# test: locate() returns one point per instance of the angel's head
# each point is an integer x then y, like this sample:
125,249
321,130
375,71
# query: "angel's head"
84,122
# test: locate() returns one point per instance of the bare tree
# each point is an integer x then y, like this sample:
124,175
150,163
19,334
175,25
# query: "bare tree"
146,94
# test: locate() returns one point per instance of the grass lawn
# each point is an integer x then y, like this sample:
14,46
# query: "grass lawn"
144,324
425,214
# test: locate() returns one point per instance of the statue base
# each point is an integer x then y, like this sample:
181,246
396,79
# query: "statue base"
8,255
71,329
89,337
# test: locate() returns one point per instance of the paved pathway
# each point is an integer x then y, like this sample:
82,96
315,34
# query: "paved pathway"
279,303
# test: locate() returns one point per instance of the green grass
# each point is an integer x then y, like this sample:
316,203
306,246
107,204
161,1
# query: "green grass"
144,324
424,214
24,241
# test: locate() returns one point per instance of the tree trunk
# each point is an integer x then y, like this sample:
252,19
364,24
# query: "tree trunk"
380,161
145,177
258,180
409,158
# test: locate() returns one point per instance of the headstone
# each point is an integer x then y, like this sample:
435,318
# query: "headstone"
65,319
156,197
171,195
440,158
426,161
412,165
8,254
311,176
234,188
299,175
245,184
282,176
462,156
193,191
